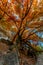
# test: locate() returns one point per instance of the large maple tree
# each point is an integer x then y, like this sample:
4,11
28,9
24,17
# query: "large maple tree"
21,21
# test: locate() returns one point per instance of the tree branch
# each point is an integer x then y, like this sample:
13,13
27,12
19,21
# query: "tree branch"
33,32
9,16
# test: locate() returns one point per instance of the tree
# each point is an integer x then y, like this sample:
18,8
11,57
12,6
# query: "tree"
21,21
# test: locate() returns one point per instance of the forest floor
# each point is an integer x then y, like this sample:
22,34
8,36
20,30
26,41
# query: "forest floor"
12,58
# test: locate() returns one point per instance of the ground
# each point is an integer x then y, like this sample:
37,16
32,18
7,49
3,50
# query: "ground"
12,59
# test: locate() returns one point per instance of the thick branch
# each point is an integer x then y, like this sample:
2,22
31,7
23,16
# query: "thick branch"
28,9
